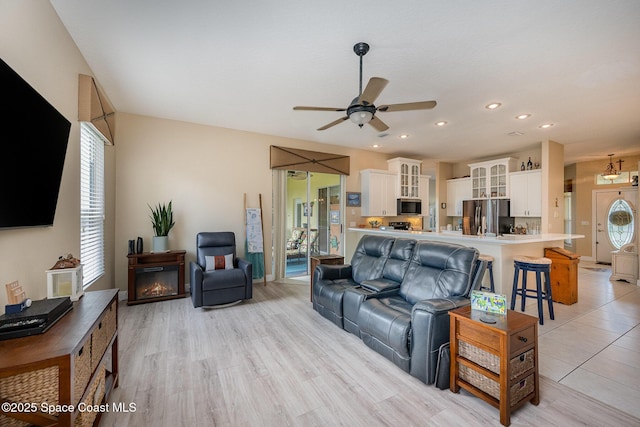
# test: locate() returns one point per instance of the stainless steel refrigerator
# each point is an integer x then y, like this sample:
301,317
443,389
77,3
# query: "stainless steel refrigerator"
488,217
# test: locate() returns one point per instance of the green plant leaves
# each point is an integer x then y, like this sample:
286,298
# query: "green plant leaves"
162,219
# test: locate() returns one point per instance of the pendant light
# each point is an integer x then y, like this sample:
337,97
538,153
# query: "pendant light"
610,172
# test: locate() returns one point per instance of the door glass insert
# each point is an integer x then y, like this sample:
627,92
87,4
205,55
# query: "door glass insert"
313,219
620,223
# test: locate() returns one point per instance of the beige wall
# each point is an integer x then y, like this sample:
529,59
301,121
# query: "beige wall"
205,171
553,182
38,47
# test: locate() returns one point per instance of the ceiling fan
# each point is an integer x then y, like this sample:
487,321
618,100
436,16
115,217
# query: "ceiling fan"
362,110
297,175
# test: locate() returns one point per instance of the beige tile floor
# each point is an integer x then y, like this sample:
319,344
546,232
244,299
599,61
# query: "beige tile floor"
593,346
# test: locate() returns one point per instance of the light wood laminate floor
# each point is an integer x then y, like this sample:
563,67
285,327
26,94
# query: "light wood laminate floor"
274,361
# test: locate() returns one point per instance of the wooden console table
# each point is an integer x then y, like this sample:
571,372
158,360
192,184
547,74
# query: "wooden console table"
322,259
156,263
45,377
496,362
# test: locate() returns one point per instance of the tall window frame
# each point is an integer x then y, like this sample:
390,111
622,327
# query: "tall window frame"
92,203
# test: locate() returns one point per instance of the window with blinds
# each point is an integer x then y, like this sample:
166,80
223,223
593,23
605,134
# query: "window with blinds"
91,203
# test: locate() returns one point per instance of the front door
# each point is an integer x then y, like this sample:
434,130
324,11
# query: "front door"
615,221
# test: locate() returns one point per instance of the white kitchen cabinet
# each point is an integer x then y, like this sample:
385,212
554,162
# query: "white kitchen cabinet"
491,178
408,173
457,191
526,193
378,188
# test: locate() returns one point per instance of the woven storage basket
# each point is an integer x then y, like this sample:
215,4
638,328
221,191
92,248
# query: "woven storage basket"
11,422
35,386
477,355
102,334
94,397
475,378
520,364
81,369
522,389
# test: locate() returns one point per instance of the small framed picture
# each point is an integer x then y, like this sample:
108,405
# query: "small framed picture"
353,199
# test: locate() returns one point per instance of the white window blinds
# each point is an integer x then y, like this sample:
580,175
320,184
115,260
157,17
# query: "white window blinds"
91,203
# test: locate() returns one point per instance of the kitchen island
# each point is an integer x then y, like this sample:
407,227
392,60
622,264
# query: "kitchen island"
502,248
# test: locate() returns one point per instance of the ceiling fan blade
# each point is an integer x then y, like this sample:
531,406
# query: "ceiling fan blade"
425,105
378,124
333,123
373,90
319,109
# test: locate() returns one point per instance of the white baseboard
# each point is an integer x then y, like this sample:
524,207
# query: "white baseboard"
123,295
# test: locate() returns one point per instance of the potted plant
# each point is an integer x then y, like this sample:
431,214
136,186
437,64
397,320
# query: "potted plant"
162,222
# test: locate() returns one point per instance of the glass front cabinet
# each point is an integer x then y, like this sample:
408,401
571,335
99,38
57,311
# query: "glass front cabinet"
491,178
408,172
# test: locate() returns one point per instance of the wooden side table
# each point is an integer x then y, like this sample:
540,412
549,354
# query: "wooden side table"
322,259
496,362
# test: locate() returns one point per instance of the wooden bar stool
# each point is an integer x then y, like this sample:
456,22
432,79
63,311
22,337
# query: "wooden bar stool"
489,260
539,266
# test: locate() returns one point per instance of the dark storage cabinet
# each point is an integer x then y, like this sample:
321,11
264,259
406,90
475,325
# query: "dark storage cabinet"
564,275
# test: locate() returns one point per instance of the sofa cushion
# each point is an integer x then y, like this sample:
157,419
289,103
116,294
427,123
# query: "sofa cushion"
399,259
385,326
438,270
220,279
370,256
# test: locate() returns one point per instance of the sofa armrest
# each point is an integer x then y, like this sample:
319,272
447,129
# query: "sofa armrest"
438,306
195,272
332,272
380,285
246,267
195,283
430,329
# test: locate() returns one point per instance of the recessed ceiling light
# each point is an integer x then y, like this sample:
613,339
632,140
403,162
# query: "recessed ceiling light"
492,106
404,136
376,145
515,133
523,116
442,123
546,125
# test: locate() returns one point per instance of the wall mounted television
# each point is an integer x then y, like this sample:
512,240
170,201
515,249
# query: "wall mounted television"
32,152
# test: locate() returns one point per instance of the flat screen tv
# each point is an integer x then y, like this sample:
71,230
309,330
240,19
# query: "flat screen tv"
33,148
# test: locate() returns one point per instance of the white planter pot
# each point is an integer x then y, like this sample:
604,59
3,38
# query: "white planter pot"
160,243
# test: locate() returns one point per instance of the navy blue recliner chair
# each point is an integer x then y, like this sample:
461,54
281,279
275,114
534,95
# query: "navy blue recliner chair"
218,276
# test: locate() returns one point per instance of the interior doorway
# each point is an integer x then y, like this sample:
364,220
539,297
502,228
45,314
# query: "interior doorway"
313,219
615,221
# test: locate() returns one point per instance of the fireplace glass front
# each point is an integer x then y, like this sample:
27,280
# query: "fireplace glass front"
154,282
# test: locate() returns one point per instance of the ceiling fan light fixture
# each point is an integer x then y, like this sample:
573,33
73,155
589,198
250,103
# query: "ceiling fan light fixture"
361,117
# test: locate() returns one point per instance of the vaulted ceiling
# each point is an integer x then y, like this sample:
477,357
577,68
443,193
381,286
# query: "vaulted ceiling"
246,64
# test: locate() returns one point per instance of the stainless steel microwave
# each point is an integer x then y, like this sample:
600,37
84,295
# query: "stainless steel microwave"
409,207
